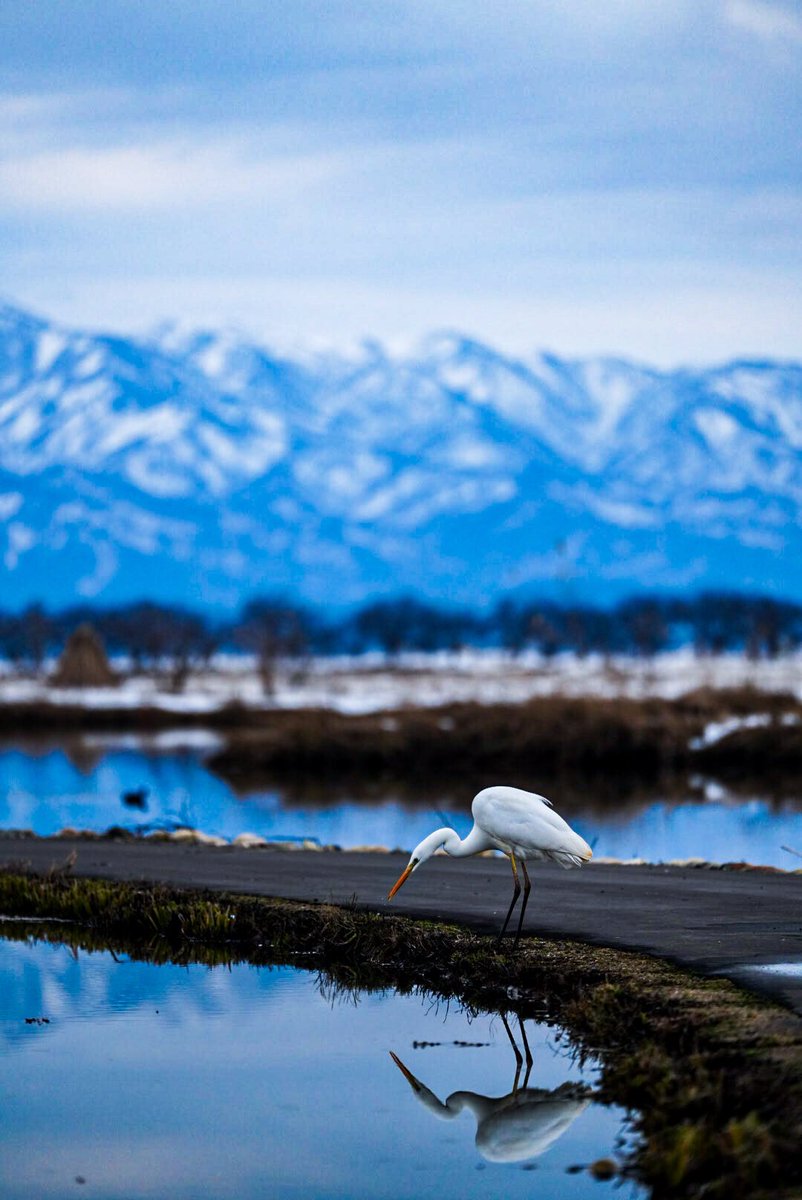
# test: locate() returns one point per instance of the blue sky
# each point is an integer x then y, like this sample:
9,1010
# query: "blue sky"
587,177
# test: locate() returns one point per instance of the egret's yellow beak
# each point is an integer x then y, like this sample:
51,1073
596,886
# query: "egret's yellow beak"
407,1074
399,882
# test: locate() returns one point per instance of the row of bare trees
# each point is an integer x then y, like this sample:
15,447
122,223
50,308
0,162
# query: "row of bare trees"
156,636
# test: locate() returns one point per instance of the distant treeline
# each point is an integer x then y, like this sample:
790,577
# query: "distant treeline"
153,635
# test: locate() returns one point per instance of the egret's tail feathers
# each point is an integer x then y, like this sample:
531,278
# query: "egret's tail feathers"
567,860
576,858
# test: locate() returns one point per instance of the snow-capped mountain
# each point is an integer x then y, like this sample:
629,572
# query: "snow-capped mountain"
200,468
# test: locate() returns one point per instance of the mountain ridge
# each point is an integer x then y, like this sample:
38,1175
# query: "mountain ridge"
200,467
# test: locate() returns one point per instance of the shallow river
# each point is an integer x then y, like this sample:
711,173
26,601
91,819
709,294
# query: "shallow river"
45,786
125,1079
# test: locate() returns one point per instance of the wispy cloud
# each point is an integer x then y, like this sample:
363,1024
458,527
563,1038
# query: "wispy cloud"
170,174
774,22
558,172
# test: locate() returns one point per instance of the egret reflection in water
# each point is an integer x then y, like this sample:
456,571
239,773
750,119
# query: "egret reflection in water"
521,1125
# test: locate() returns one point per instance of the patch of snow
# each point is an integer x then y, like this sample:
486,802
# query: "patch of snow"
187,739
613,388
712,791
753,387
152,474
158,425
248,456
115,741
406,485
370,683
718,428
463,377
10,504
464,496
471,453
89,364
347,483
621,512
49,346
128,525
25,427
103,571
98,390
168,741
769,396
763,539
20,539
717,730
213,358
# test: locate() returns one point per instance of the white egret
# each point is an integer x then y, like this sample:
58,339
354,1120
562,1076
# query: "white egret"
521,824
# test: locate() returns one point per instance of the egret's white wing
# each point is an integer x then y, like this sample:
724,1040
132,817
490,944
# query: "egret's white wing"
527,824
527,1128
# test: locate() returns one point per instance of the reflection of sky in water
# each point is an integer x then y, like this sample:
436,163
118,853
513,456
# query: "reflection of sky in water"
793,969
46,791
748,831
154,1081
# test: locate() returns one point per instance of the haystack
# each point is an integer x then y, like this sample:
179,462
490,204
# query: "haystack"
83,662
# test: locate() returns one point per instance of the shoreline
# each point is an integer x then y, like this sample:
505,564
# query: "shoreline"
186,835
712,922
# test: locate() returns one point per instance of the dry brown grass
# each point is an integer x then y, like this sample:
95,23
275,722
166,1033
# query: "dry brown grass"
633,742
542,737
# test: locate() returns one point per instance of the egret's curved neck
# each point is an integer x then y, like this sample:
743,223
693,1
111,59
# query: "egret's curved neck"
480,1106
452,843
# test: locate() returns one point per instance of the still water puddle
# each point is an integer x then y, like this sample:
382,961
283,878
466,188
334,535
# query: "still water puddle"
125,1079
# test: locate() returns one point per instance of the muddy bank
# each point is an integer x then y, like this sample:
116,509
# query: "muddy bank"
715,1076
39,717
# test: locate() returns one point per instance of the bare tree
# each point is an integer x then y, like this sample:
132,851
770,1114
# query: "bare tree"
272,629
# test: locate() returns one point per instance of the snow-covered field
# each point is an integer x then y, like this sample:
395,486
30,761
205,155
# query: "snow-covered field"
370,683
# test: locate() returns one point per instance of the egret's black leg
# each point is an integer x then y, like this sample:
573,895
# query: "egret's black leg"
527,890
519,1062
515,894
527,1051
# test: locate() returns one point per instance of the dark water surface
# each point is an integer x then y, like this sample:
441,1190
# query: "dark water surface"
46,785
124,1079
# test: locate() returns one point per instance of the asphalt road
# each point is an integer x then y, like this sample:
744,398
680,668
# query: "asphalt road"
728,922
